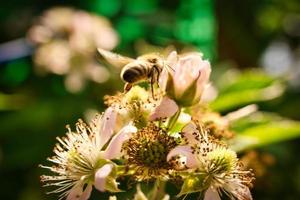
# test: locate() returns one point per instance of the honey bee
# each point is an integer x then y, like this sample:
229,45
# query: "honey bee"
144,68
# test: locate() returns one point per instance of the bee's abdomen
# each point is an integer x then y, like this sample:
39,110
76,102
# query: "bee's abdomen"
134,74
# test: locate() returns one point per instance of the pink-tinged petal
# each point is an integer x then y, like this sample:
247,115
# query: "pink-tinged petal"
100,176
186,72
202,81
87,193
172,61
186,151
107,127
114,148
190,132
211,194
239,191
163,79
166,108
77,193
168,70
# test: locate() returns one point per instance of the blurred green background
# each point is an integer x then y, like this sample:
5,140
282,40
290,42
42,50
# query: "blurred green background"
254,47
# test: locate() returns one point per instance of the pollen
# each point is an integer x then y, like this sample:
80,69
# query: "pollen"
147,150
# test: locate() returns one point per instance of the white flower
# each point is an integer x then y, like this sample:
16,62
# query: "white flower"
66,40
81,160
215,167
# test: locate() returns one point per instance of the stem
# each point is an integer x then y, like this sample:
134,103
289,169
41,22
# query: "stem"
158,190
173,119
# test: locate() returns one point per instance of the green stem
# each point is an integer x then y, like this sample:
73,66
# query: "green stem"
173,119
158,191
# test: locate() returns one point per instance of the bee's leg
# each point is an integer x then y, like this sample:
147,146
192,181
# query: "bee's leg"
151,84
157,74
127,87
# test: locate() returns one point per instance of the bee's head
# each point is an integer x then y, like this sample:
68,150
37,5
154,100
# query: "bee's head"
152,58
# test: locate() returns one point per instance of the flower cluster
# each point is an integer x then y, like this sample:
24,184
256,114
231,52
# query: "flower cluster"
66,41
169,138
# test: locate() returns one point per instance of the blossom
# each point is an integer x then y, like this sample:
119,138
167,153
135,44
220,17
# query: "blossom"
215,168
146,153
185,77
139,106
81,160
66,40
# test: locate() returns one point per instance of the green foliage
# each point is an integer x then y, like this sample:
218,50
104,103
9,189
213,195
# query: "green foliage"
261,129
237,90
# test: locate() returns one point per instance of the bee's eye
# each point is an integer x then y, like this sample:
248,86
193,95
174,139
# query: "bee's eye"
153,60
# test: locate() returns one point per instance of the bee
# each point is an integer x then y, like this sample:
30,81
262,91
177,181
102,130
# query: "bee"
144,68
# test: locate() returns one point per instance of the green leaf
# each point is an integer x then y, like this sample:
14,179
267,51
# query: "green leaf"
239,98
246,81
261,135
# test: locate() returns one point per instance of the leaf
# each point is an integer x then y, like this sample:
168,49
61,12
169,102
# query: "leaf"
261,135
246,81
229,101
239,89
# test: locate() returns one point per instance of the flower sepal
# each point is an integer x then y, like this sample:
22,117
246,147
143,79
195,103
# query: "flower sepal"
106,178
197,182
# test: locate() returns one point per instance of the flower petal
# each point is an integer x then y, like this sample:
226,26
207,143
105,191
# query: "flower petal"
202,81
114,148
172,60
107,127
190,132
186,151
186,72
168,70
87,193
239,191
166,108
211,194
76,193
163,78
100,176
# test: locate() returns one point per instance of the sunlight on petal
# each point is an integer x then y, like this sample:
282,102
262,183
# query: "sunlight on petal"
100,176
108,123
76,193
166,108
184,151
211,194
114,148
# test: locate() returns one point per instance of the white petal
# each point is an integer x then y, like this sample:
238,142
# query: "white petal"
202,81
163,79
186,72
100,176
189,133
114,148
166,108
211,194
172,61
242,192
87,193
168,70
107,127
186,151
76,193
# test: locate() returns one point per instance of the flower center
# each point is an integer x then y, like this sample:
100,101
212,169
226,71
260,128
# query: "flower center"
149,148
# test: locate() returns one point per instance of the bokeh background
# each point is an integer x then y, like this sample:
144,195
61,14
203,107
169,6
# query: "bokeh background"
50,76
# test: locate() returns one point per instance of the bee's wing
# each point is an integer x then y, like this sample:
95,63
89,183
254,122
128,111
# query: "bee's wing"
113,58
170,61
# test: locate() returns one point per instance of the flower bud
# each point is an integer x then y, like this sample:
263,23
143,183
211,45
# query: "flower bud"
187,78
